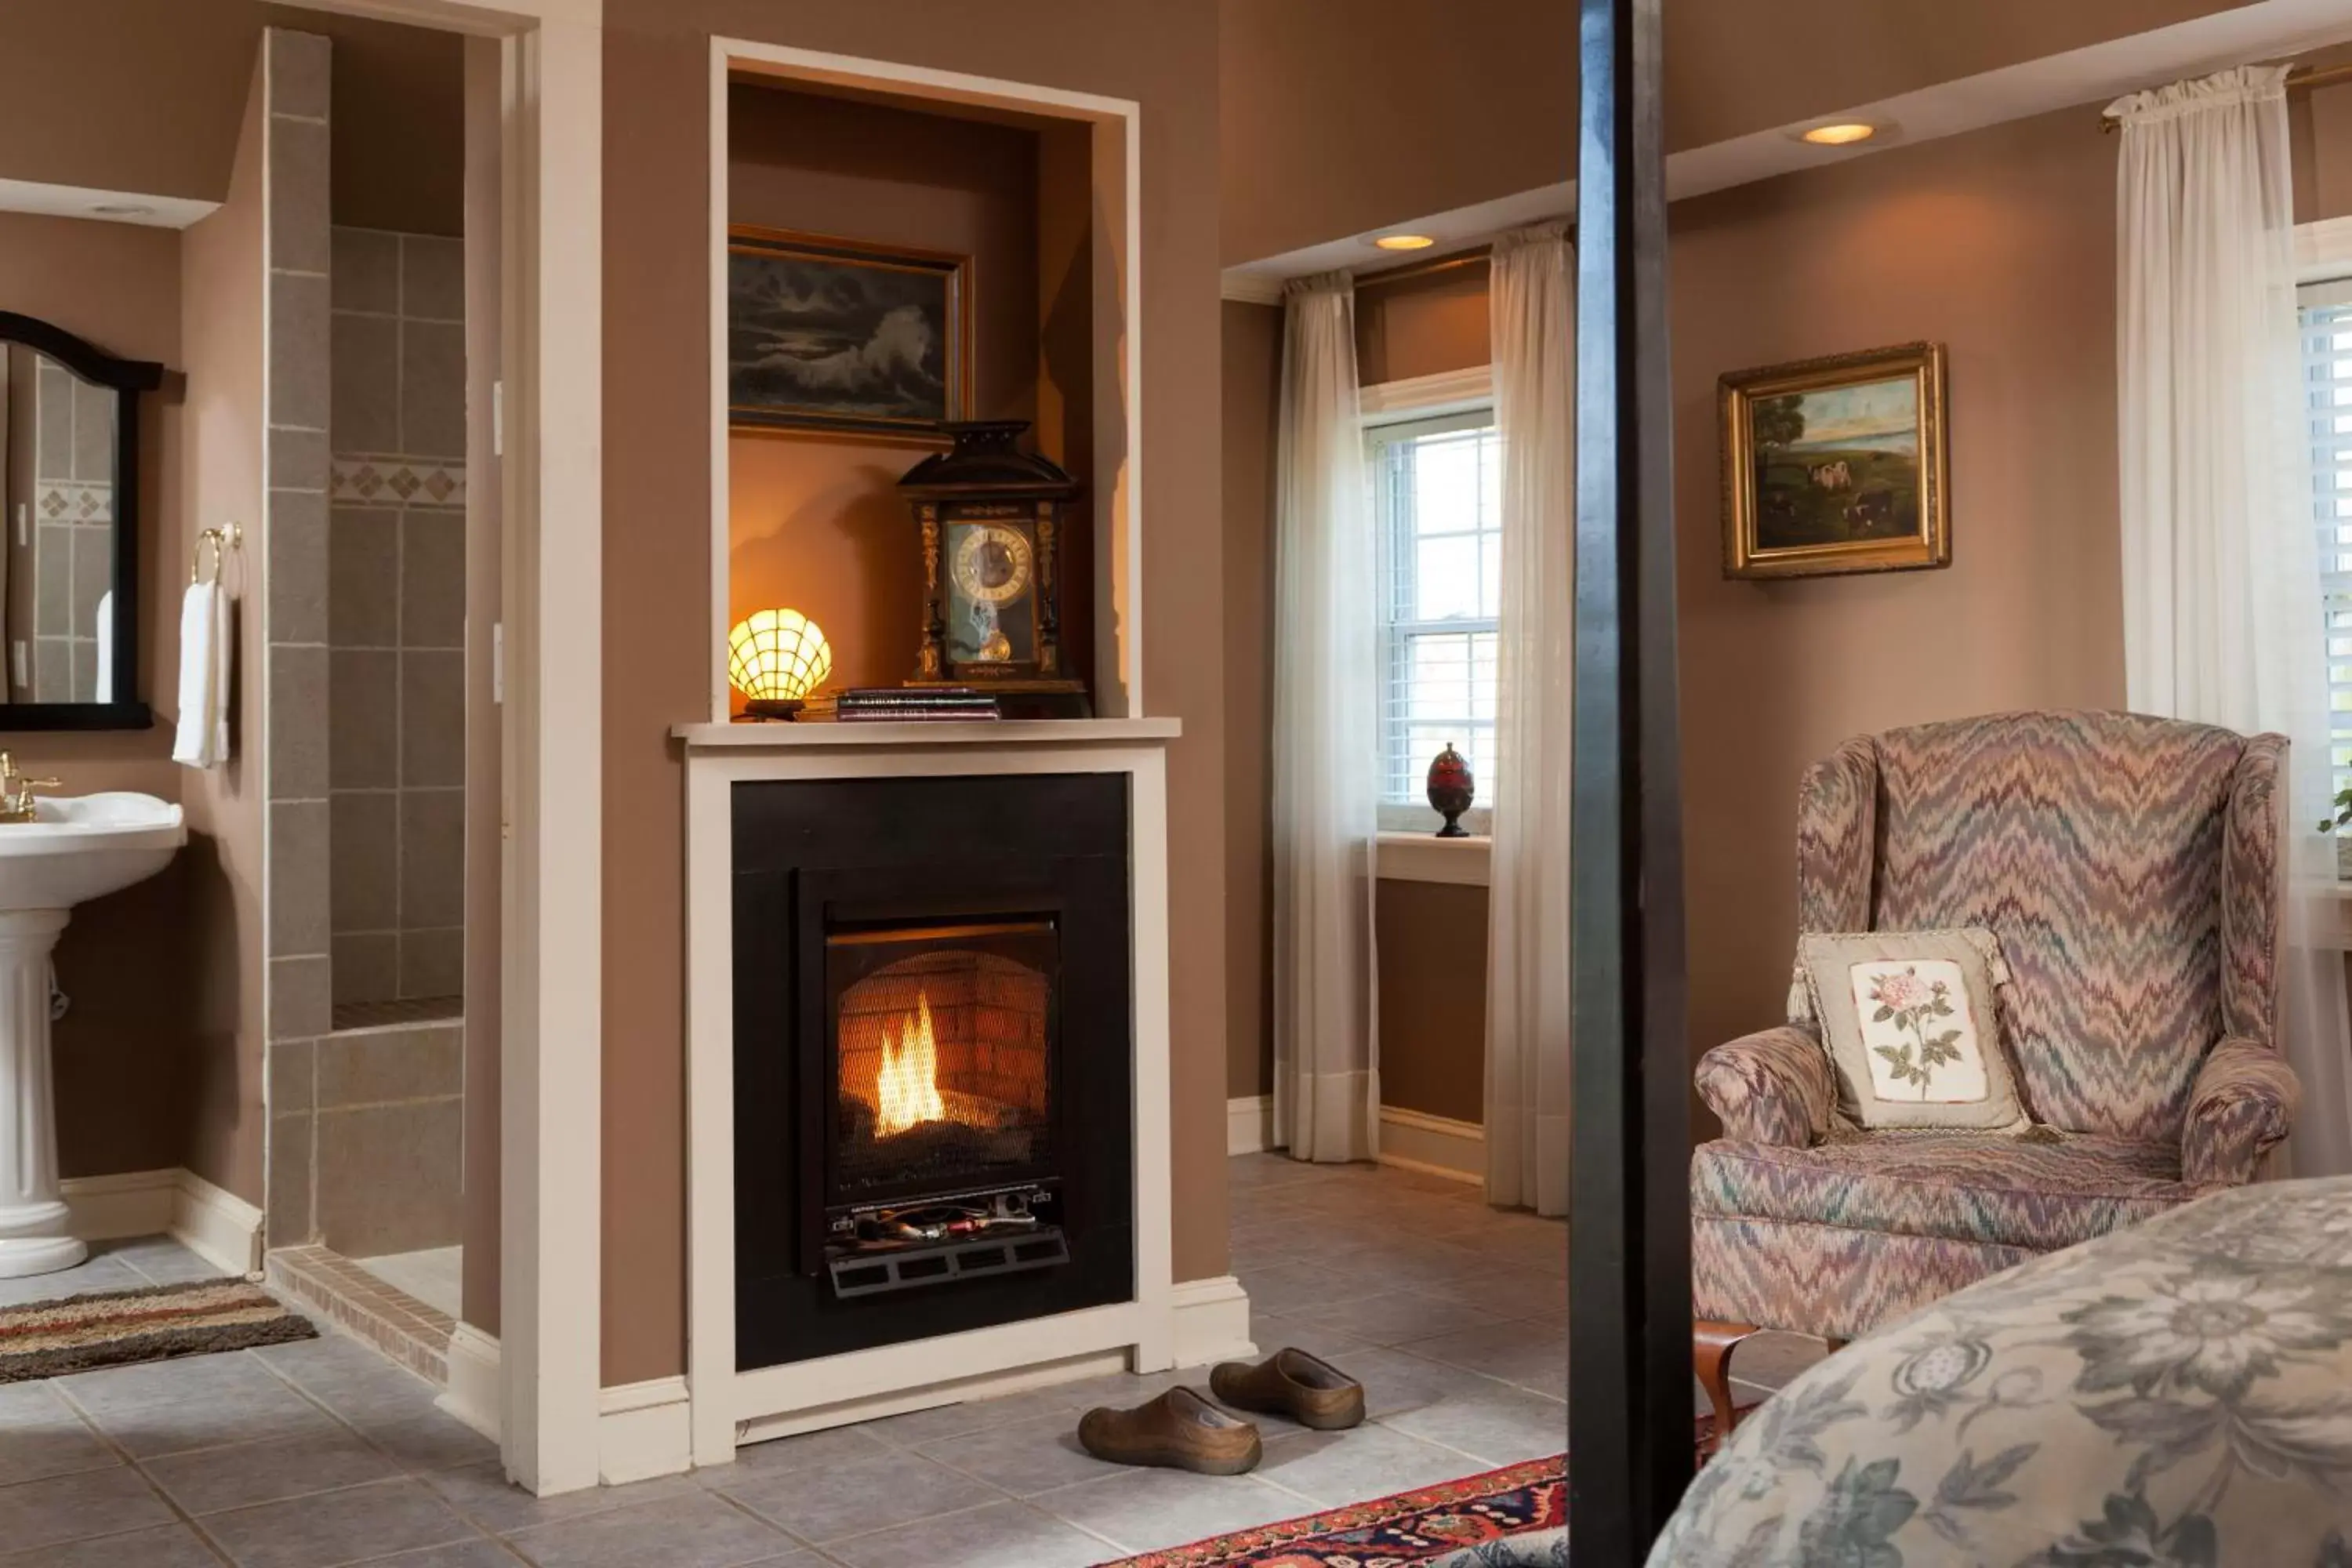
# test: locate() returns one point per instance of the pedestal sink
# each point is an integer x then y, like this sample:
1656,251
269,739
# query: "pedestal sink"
78,848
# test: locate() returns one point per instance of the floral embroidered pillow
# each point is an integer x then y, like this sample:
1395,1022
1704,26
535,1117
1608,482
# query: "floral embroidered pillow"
1912,1023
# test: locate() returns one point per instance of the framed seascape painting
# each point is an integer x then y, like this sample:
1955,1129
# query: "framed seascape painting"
1836,464
846,338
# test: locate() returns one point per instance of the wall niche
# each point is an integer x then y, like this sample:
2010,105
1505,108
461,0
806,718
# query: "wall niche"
814,520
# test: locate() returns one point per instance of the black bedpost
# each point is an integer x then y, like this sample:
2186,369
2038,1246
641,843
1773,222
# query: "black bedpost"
1630,1417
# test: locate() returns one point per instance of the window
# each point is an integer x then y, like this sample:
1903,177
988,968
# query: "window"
2327,380
1437,509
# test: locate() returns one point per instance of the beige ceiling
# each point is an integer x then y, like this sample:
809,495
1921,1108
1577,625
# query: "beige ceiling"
146,96
1412,108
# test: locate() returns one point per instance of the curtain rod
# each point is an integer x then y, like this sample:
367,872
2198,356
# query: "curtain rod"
2301,79
1414,269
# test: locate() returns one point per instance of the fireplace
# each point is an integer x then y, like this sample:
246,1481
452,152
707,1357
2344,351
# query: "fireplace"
941,1159
933,1057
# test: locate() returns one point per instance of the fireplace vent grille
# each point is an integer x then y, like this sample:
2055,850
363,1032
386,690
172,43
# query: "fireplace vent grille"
912,1268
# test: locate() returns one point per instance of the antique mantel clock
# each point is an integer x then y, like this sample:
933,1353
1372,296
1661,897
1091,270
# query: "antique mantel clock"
991,519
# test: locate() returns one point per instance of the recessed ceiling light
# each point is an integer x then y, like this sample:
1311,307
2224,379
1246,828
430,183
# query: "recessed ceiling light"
1844,133
123,209
1403,241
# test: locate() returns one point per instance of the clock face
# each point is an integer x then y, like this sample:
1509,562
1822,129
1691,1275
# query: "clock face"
991,563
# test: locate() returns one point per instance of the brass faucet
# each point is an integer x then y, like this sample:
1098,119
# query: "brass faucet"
17,791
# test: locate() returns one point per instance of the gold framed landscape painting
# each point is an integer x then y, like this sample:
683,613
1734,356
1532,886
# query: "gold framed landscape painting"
1836,464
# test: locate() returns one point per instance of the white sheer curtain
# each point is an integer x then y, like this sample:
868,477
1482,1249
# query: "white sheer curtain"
2221,608
1326,750
1531,310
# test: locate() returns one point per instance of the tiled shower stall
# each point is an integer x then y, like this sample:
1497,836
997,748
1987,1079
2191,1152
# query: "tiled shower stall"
388,1085
396,616
363,531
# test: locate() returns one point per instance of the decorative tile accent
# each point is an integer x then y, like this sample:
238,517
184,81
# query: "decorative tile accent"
423,481
395,1323
74,501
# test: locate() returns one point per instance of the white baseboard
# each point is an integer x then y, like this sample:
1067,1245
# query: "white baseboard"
475,1394
217,1224
1433,1145
116,1207
642,1431
1212,1322
1249,1124
210,1221
900,1402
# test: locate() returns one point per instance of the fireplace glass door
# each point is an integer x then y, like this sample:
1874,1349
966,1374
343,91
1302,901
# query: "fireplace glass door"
943,1072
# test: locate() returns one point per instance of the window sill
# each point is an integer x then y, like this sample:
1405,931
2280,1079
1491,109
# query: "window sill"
2332,917
1425,858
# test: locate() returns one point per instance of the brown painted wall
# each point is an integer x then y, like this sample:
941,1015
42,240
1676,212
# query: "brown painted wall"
2320,133
398,158
1253,391
656,565
123,1051
816,521
2002,245
149,95
221,292
1433,998
1413,109
127,95
1733,66
2329,113
1422,324
2322,123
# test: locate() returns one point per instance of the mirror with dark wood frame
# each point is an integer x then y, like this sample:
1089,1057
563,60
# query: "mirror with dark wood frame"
70,564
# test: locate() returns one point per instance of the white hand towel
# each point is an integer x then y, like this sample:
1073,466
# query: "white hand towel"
105,692
202,738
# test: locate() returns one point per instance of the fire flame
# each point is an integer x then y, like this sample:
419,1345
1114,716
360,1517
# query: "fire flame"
906,1091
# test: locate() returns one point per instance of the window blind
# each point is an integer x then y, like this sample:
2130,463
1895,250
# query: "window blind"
2327,385
1437,505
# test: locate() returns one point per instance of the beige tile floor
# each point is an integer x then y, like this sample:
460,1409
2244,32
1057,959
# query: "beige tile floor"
323,1454
434,1276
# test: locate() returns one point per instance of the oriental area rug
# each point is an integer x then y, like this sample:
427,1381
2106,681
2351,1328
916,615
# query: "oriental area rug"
1413,1527
1423,1526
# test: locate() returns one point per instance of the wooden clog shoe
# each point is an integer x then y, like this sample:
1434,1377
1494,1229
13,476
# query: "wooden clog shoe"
1180,1430
1307,1389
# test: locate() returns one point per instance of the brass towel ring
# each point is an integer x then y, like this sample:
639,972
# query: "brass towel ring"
224,538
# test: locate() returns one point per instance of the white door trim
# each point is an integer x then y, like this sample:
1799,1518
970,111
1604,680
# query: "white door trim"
551,922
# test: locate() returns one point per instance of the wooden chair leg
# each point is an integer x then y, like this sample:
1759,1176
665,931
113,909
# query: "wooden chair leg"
1711,1347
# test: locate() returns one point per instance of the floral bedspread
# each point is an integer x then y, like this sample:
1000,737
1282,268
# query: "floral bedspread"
2174,1395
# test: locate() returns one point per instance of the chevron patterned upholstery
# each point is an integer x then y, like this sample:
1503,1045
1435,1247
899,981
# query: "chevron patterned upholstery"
2130,867
1962,1186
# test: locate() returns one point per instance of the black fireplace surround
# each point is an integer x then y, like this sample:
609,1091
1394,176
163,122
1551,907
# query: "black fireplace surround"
932,1006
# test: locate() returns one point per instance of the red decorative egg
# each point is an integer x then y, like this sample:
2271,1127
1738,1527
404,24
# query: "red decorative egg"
1451,790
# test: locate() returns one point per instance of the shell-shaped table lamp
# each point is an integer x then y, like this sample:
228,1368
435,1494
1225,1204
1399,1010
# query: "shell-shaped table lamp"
775,658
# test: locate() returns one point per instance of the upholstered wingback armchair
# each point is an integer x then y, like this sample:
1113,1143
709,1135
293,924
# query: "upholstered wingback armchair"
2131,868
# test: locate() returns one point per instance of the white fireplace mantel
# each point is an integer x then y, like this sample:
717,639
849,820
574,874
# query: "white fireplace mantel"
727,1407
920,734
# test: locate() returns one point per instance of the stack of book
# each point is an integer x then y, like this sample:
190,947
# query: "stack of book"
915,702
